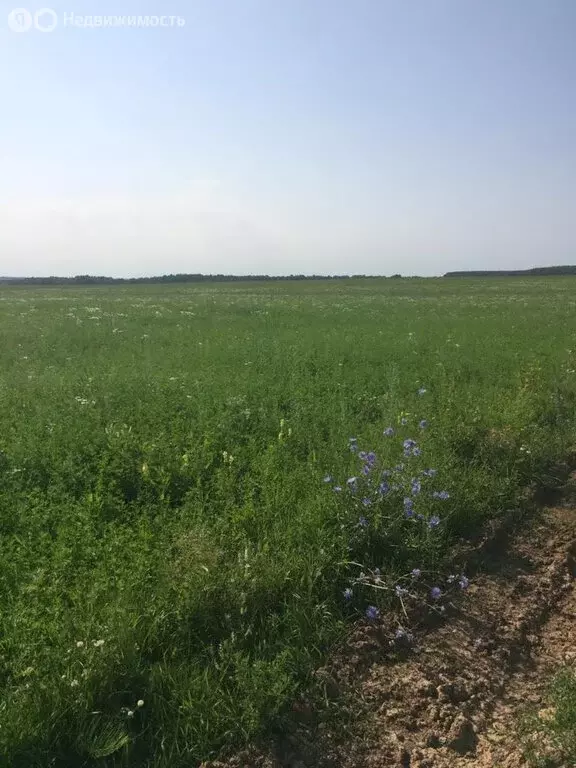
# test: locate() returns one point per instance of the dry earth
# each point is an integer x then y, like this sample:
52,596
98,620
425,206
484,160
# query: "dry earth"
456,699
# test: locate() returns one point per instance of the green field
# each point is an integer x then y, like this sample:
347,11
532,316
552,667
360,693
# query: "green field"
172,563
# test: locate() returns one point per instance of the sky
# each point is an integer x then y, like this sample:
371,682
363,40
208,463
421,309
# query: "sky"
288,136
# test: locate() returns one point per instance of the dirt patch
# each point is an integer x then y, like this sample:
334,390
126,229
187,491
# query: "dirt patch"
454,699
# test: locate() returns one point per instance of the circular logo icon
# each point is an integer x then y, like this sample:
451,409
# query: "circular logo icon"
20,20
46,20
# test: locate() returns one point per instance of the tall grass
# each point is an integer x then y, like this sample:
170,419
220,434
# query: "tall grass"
172,564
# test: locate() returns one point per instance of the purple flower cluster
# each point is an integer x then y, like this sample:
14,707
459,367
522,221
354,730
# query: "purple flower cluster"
376,495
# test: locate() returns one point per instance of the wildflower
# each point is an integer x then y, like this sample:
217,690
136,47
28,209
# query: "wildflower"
442,495
366,469
371,458
372,612
353,444
351,482
464,583
74,683
388,432
79,644
435,593
377,576
347,594
422,391
423,424
434,522
366,501
362,522
409,443
400,634
337,488
383,488
400,591
140,703
451,579
328,479
429,472
416,487
416,452
403,421
362,455
98,643
399,468
416,573
130,713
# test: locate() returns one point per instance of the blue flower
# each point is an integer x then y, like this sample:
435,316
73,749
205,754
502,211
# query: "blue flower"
337,488
409,443
347,594
383,488
408,503
328,479
434,522
416,487
416,573
351,483
421,391
416,452
372,612
362,455
464,582
423,424
435,593
371,458
429,472
366,469
366,502
443,495
353,447
388,432
362,522
399,468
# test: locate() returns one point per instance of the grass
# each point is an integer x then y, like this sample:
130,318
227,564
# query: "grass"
162,455
549,736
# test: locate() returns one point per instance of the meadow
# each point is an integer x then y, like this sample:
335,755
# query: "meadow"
176,557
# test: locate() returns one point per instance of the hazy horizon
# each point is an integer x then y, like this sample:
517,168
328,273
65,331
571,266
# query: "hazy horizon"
415,137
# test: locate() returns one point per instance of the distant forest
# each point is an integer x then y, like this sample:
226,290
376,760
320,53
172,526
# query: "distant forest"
199,278
535,272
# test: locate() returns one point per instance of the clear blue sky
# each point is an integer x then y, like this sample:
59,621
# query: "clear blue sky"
279,136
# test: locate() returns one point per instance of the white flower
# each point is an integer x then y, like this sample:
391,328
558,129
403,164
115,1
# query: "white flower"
130,713
73,683
98,643
140,703
80,644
